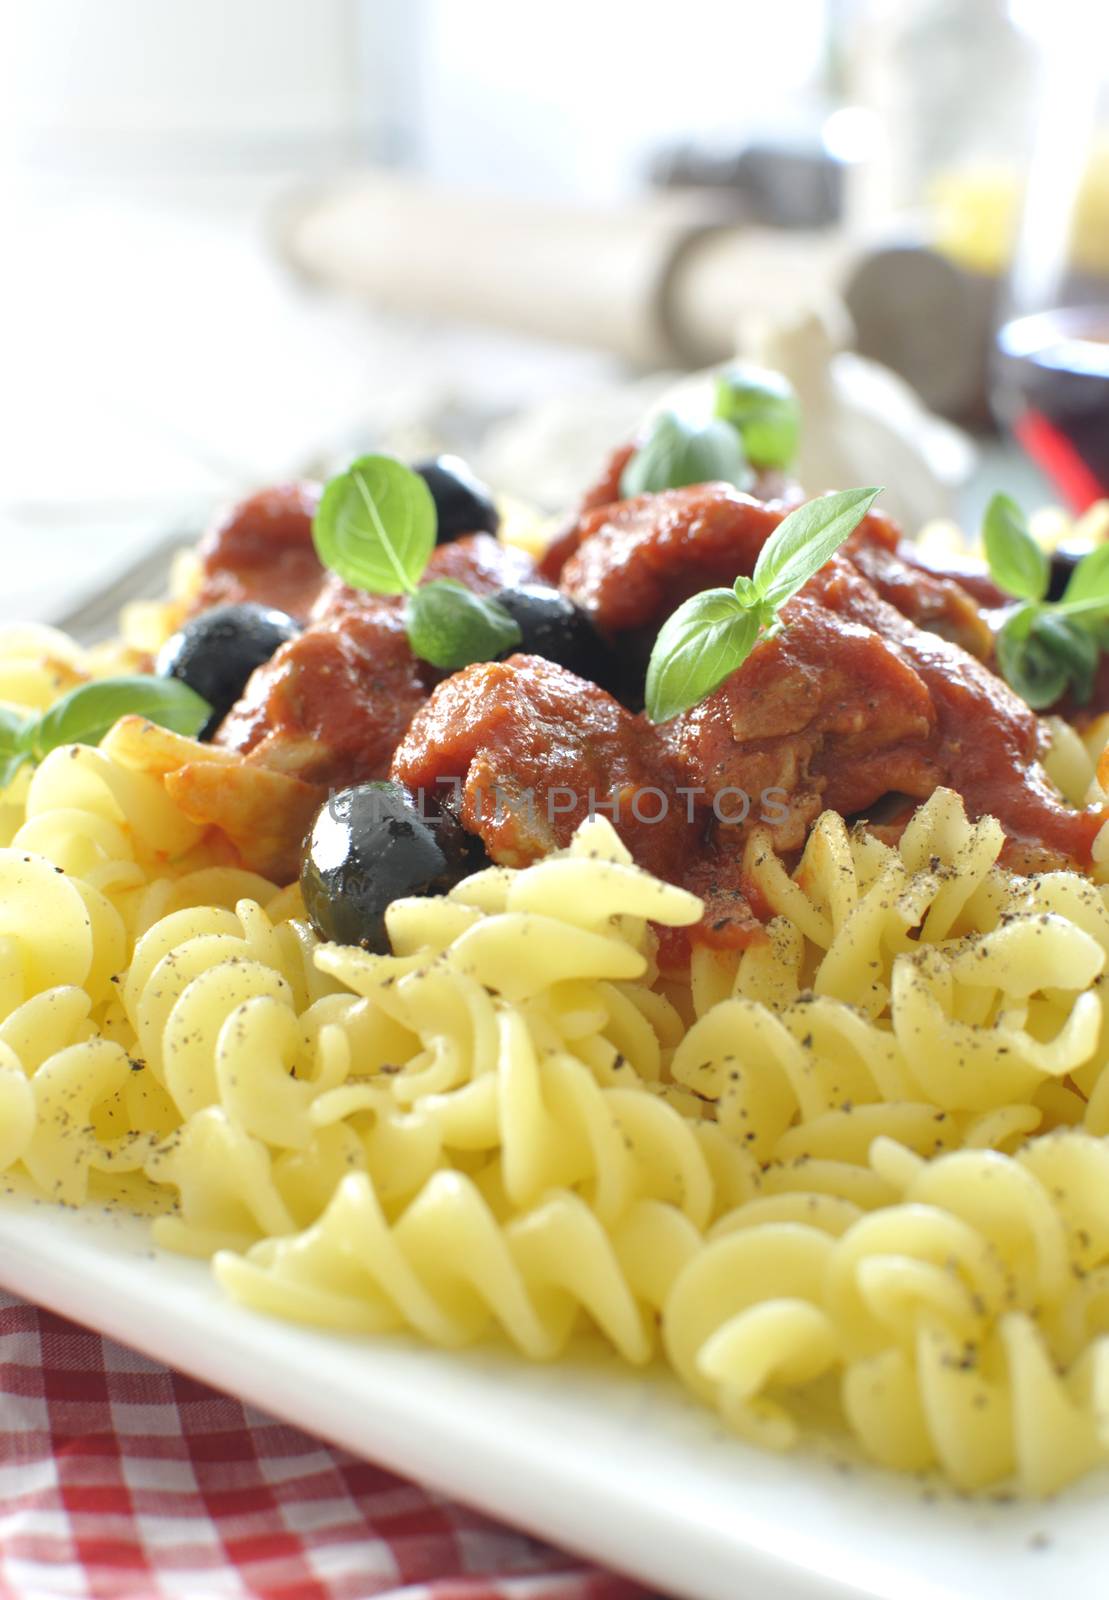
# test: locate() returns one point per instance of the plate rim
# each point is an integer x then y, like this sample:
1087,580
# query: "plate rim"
561,1501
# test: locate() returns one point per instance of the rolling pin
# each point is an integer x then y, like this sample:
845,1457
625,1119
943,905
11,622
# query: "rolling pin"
668,281
663,282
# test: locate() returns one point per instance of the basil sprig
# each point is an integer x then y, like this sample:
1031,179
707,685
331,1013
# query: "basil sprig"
676,454
756,423
1045,647
1017,563
447,624
376,527
763,408
86,713
713,633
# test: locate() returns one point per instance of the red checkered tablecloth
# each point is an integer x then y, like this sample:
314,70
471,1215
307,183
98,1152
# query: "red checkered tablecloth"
121,1478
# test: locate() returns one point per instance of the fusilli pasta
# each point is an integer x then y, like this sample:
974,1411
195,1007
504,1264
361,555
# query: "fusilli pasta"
859,1171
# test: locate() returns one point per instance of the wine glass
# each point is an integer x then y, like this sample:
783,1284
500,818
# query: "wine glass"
1051,365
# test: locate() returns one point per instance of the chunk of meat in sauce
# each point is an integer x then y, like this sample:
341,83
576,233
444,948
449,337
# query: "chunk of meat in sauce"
606,488
768,485
987,742
262,550
638,560
478,560
939,602
547,746
602,493
851,701
823,714
545,741
331,705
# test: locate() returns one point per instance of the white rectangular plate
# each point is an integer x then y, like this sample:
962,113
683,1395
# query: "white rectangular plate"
617,1464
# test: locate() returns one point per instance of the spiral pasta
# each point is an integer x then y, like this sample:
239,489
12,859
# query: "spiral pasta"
38,664
856,1174
967,1322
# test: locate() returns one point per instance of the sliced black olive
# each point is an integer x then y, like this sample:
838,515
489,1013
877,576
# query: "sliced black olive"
462,502
370,845
553,626
216,652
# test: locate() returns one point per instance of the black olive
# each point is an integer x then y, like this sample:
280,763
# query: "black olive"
462,502
370,845
216,652
553,626
1063,563
635,652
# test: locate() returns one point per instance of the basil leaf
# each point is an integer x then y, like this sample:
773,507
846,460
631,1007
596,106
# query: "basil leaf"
10,763
13,728
451,627
16,729
676,454
1090,579
376,526
762,406
1089,613
1029,664
1072,647
704,641
85,714
1017,563
1020,621
712,634
807,538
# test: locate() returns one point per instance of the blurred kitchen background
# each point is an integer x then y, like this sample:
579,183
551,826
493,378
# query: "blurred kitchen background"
240,239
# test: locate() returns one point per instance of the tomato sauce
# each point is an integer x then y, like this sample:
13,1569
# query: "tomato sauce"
878,687
480,562
635,561
553,747
262,551
331,705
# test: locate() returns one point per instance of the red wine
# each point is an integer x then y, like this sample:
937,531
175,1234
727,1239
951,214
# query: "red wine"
1053,394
